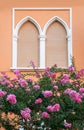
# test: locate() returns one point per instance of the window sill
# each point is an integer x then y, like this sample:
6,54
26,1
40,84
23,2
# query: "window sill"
27,68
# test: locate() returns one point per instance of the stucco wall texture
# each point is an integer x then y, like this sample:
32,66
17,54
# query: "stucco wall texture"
6,25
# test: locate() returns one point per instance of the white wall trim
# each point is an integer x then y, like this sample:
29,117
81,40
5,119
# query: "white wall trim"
27,68
71,47
28,18
42,50
56,18
42,8
41,34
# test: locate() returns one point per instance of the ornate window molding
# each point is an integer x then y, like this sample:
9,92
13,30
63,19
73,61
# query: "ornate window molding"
42,35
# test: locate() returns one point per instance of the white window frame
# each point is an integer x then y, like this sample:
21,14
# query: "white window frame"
42,35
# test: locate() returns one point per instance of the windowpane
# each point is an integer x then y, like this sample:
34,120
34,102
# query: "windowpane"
56,45
28,45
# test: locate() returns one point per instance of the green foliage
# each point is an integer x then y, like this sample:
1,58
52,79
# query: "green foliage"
67,94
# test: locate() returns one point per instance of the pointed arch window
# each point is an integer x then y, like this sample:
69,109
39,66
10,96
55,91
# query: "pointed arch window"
56,45
28,45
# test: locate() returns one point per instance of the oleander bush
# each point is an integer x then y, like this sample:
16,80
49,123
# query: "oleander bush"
55,101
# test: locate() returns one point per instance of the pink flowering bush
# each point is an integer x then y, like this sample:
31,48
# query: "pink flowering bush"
37,101
54,102
11,98
45,115
2,93
26,113
47,93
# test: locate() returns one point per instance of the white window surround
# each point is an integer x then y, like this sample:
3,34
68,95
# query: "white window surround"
42,36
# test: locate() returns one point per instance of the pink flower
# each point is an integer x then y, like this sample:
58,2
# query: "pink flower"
56,108
47,93
65,79
67,91
28,90
45,115
16,87
47,71
38,75
81,90
17,73
13,79
76,83
50,108
82,72
66,124
26,113
10,86
71,69
53,75
78,75
55,87
4,74
30,80
2,93
38,101
28,110
75,96
7,82
11,98
23,83
36,87
4,81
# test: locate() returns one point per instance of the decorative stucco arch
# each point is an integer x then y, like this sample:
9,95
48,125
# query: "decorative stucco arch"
56,18
68,36
28,18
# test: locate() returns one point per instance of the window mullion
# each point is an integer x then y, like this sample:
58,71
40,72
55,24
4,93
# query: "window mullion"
14,65
42,51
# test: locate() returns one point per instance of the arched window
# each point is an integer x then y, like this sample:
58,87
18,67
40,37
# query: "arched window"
56,45
28,45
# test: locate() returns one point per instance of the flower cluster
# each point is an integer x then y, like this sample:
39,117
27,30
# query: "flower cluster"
37,101
11,98
26,113
54,108
47,93
55,100
2,93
